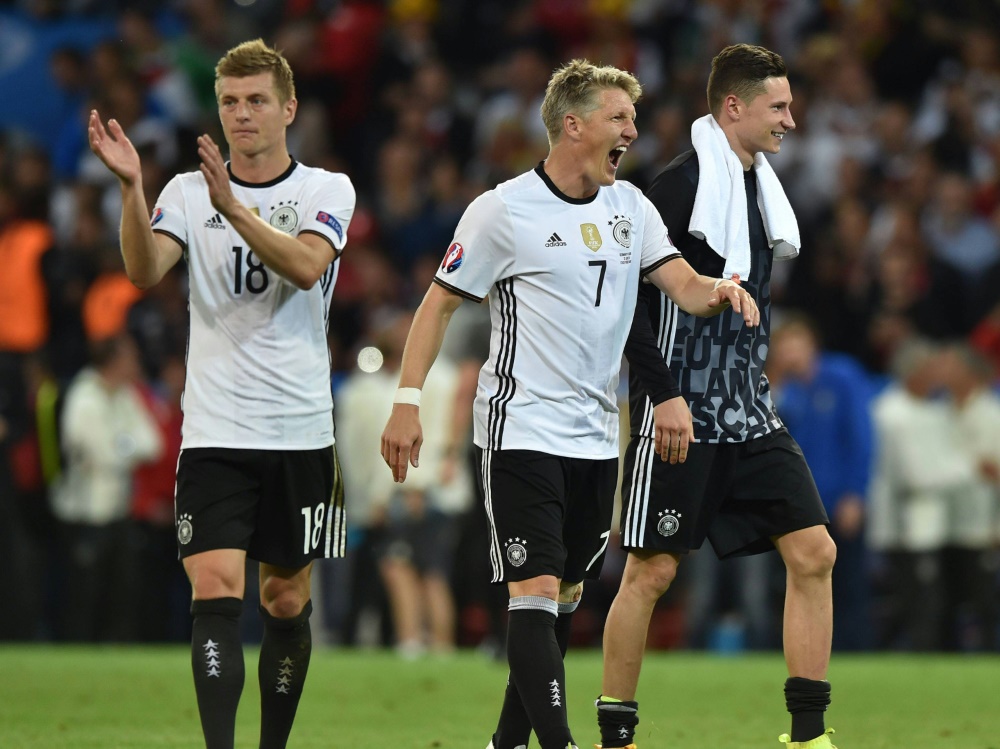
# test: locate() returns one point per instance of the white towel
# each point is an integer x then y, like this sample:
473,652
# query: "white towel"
720,204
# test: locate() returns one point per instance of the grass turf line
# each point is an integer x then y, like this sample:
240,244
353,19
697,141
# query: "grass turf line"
63,697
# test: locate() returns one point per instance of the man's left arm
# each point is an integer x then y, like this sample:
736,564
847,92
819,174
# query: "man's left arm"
701,295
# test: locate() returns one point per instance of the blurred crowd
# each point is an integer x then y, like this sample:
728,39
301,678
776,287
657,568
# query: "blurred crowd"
885,359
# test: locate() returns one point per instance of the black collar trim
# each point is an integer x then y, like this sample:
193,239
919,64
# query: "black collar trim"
270,183
559,193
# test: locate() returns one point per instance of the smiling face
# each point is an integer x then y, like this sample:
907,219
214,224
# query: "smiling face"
763,122
253,117
606,133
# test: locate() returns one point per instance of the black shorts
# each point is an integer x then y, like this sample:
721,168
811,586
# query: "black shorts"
283,507
736,495
548,515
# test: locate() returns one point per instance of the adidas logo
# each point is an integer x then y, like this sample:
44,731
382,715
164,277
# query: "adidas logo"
215,222
555,241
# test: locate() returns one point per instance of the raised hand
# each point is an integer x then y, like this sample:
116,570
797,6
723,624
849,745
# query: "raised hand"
113,147
213,167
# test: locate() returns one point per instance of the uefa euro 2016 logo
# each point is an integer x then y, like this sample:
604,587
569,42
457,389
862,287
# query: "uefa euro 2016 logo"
453,258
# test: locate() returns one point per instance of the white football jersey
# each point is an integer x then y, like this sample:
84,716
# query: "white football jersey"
258,372
562,276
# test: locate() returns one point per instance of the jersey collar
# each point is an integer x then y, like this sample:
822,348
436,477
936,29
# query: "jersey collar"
559,193
270,183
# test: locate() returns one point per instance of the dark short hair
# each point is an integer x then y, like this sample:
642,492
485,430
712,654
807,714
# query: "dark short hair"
741,69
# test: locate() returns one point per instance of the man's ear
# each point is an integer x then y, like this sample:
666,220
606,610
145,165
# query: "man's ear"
732,107
571,126
291,107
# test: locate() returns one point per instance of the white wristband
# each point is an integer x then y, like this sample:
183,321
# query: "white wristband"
718,283
409,396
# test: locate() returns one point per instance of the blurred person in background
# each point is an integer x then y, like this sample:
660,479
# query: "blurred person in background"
962,240
416,526
921,474
258,477
106,432
970,558
467,346
158,588
824,400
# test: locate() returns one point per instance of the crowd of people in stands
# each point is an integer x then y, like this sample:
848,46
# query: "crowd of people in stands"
886,353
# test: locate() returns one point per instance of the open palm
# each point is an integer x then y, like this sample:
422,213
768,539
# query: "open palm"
114,148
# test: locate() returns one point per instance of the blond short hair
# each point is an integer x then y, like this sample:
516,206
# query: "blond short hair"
255,57
576,87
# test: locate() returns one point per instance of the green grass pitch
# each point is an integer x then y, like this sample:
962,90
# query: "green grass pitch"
141,697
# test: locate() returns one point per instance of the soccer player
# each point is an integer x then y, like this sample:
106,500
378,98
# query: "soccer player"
258,474
743,481
560,252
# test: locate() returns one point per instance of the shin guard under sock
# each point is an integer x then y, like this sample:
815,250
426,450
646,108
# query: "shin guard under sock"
218,668
536,668
514,726
281,671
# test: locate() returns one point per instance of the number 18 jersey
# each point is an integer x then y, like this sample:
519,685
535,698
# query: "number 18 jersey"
562,275
258,364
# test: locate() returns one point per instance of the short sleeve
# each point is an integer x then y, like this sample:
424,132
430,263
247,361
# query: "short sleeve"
656,245
482,251
168,214
330,208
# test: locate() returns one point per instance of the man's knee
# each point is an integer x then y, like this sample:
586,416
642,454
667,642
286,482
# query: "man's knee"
809,552
543,586
650,575
284,596
570,592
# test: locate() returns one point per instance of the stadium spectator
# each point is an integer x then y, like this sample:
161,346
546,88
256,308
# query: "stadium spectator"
920,474
824,400
258,476
546,414
106,432
159,592
743,454
971,609
418,523
962,240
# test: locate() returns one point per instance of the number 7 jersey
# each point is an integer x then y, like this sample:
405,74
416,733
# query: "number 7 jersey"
258,363
562,276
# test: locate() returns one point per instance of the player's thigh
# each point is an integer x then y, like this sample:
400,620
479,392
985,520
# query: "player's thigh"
773,493
668,506
590,504
217,494
524,494
298,515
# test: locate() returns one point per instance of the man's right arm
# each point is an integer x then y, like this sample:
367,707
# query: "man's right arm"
403,435
147,257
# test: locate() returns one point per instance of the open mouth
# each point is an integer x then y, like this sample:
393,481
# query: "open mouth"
615,155
777,135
